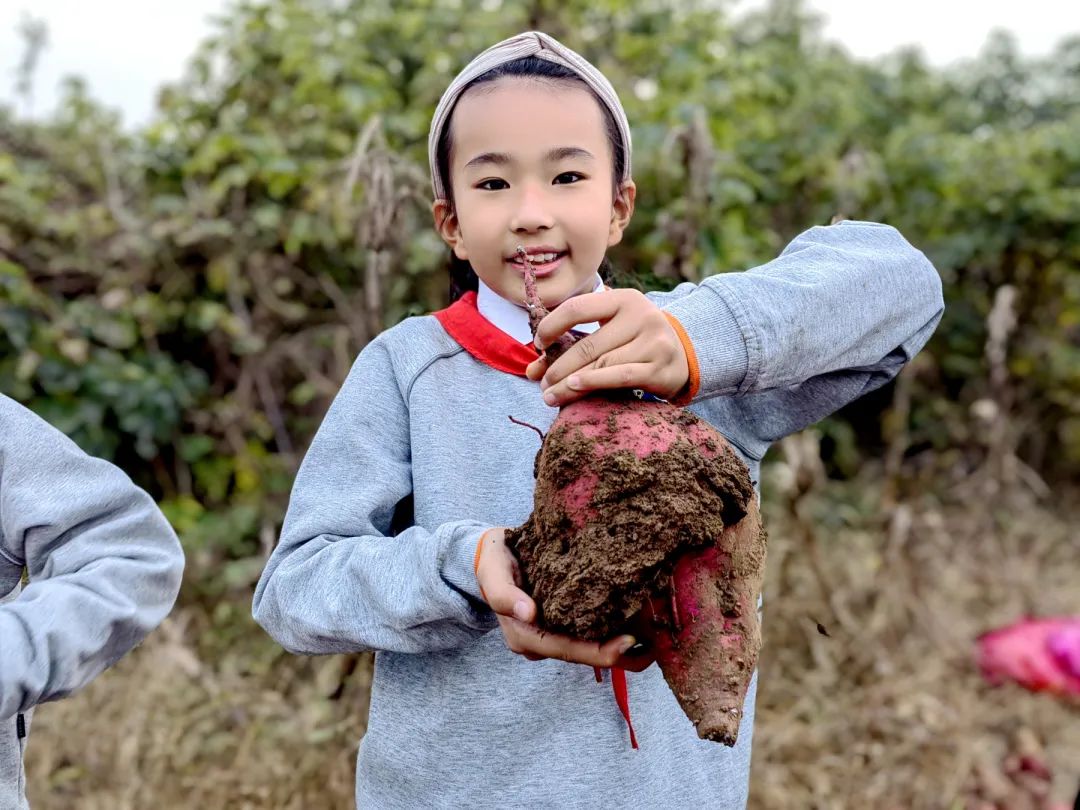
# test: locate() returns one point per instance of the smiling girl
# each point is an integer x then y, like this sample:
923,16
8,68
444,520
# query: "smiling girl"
470,704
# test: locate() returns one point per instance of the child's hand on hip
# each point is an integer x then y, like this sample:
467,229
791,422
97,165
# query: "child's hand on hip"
635,347
499,576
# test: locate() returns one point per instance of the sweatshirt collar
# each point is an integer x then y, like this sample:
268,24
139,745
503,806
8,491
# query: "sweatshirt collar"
513,319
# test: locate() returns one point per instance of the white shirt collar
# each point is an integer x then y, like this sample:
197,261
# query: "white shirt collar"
514,319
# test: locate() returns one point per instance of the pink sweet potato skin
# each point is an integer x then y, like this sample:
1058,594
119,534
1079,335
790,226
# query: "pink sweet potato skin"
705,630
1041,655
623,488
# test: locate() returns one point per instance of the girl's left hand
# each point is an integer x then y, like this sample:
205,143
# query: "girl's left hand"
635,347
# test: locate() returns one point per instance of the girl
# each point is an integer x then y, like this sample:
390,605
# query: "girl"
470,704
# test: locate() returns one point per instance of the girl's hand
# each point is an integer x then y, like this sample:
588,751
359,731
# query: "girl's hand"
635,347
499,576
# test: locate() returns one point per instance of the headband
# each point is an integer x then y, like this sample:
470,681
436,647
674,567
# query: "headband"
542,46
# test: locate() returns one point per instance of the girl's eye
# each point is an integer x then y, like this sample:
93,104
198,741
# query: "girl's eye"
494,184
569,177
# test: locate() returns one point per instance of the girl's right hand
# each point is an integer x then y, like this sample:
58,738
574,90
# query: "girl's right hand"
499,576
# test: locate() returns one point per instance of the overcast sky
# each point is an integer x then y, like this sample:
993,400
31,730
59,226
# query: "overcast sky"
127,48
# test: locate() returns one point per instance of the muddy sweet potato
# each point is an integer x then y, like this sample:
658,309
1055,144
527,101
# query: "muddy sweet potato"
705,632
645,521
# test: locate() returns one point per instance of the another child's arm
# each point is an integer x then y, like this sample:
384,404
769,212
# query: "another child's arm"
836,315
104,564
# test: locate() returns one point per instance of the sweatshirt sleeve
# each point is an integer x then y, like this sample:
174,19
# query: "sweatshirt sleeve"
339,580
835,316
104,565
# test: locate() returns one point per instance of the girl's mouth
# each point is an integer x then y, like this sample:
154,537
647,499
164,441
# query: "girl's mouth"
543,263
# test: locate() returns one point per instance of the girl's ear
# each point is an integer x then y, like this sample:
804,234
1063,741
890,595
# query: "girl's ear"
446,223
621,210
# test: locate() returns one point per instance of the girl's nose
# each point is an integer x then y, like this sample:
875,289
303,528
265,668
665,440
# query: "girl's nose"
533,212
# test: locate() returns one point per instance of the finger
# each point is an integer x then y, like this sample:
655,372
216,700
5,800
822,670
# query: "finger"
585,308
629,375
536,369
591,349
530,639
515,571
639,662
506,598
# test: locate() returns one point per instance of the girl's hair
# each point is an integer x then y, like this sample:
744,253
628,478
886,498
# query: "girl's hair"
462,277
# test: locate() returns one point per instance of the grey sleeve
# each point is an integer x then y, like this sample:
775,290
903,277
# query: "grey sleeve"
836,315
104,565
338,581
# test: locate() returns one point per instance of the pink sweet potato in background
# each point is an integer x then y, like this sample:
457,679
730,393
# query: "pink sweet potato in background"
1042,655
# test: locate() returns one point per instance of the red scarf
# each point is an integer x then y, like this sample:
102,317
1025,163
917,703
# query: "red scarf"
484,340
493,347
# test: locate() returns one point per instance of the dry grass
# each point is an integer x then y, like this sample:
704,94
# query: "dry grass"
886,712
253,729
889,711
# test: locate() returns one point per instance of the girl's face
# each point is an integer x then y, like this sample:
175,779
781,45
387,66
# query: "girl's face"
531,165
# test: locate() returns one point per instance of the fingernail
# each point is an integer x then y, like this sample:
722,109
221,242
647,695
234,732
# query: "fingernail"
549,398
521,610
539,346
627,643
574,381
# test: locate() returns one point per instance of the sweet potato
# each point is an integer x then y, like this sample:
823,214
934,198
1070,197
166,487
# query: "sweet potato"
705,633
645,521
1039,654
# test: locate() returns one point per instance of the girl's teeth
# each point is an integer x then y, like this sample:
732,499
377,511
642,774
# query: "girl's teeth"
538,258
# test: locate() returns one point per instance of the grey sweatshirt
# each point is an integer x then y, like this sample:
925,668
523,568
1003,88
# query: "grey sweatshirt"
416,458
103,567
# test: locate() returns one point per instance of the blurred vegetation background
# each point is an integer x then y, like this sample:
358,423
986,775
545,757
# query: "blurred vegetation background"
186,299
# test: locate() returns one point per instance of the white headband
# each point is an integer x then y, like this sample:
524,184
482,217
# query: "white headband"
533,43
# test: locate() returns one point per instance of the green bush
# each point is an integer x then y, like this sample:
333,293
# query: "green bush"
187,298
